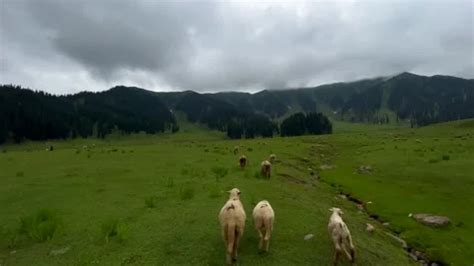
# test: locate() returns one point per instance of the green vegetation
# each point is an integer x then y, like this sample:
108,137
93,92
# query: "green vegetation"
154,199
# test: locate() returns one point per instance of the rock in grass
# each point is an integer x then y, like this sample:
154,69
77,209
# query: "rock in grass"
308,237
61,251
326,167
364,169
432,220
370,228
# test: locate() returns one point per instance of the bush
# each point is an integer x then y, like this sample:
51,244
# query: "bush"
113,228
39,227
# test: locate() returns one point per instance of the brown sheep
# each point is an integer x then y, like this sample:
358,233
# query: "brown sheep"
243,161
265,169
232,219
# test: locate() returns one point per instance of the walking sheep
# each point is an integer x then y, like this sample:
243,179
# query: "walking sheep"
263,217
272,158
265,169
232,219
243,161
341,236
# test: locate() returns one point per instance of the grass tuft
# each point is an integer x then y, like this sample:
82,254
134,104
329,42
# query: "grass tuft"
114,229
219,172
20,174
445,157
39,227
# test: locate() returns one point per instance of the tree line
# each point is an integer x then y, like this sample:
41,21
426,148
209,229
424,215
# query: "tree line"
26,114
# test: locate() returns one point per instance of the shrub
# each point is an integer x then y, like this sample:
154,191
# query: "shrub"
113,228
40,227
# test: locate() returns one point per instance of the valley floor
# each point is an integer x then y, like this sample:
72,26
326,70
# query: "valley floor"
155,199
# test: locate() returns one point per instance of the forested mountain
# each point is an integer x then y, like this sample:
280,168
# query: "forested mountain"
416,99
25,114
405,97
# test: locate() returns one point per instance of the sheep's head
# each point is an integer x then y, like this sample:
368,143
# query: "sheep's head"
336,210
234,193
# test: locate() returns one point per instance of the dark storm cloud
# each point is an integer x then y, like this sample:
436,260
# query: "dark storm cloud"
64,46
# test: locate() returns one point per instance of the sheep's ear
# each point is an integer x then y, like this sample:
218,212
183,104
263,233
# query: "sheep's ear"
331,209
238,193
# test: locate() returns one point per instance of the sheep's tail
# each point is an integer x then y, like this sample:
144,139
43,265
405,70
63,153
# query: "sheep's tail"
230,237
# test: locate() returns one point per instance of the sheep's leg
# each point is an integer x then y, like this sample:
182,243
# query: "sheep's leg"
236,244
260,245
338,248
267,238
336,257
351,247
230,243
344,249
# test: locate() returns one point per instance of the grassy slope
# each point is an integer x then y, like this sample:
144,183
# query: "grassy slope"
410,176
113,179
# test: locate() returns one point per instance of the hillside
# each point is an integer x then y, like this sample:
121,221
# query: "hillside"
401,99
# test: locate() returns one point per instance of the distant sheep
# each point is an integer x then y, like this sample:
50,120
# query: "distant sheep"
341,236
272,158
232,219
263,217
266,169
243,161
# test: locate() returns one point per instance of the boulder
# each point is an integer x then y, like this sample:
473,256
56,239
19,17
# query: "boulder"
431,219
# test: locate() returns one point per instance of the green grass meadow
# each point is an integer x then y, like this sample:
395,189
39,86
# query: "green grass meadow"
154,200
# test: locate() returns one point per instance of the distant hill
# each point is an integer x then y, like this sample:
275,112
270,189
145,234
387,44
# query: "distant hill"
403,98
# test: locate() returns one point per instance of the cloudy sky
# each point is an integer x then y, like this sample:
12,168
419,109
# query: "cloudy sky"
65,46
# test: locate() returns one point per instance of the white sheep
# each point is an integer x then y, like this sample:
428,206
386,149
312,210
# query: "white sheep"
232,219
341,236
266,169
263,216
272,158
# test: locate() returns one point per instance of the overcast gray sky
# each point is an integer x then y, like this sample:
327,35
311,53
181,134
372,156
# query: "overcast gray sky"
68,46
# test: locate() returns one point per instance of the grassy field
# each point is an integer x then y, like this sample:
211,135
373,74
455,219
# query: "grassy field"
155,199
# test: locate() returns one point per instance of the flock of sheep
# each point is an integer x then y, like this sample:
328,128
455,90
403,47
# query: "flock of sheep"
232,220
